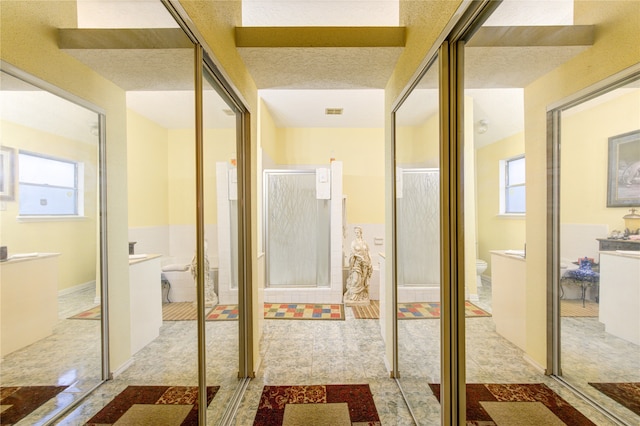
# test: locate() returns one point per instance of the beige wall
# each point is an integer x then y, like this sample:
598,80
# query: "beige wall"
30,43
615,49
584,160
74,239
496,232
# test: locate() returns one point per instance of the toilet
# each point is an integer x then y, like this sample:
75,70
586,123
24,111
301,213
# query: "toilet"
481,266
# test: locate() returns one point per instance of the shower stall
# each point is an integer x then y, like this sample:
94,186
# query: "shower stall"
303,250
418,235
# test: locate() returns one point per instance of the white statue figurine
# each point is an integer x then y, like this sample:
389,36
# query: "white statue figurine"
210,296
359,271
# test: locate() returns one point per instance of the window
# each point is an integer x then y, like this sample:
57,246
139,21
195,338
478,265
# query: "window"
49,186
512,191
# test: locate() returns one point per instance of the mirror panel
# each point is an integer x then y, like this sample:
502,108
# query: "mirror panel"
50,227
417,209
221,246
600,247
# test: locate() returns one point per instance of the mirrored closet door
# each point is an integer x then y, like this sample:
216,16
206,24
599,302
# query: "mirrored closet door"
50,227
418,229
599,255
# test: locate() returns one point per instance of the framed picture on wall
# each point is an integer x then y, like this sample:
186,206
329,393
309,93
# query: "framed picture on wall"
6,173
624,170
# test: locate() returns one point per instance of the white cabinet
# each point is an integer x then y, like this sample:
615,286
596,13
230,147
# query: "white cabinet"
28,300
508,296
620,294
145,291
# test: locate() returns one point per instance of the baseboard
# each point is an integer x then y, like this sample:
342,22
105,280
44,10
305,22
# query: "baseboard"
535,365
79,287
122,368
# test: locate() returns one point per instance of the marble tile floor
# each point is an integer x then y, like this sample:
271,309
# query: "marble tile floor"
313,352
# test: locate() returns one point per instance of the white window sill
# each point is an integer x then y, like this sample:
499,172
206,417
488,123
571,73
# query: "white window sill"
63,218
512,216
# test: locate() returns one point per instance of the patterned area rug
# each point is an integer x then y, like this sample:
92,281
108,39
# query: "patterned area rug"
177,311
17,402
625,394
573,308
422,310
153,405
284,405
517,404
303,311
223,313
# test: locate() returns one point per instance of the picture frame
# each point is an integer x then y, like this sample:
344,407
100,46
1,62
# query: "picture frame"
623,187
7,173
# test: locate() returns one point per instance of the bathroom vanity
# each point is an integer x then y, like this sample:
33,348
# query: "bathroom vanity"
508,293
28,300
145,292
620,294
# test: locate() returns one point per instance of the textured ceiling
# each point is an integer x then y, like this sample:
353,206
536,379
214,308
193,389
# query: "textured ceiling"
321,67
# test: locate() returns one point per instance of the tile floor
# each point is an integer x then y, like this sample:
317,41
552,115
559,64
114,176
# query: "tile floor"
312,352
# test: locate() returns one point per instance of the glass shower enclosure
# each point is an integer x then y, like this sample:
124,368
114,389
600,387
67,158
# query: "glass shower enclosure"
297,229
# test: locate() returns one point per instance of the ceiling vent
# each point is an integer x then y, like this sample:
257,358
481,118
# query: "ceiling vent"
333,111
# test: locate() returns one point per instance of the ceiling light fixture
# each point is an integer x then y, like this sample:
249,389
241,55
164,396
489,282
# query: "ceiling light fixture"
228,112
333,111
483,126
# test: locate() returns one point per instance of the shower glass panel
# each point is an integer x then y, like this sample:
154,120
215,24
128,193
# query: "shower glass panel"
49,186
417,245
297,231
418,228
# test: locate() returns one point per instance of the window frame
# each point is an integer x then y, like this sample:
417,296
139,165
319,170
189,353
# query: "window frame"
78,188
505,186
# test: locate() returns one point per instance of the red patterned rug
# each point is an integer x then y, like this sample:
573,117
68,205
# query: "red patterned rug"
355,402
17,402
148,405
625,394
531,403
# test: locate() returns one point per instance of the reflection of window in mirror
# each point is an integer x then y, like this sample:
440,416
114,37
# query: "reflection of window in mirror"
512,185
49,186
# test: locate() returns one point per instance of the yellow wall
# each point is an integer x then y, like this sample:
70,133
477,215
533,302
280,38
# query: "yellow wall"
29,42
148,172
74,239
496,232
362,154
584,160
419,144
268,132
615,48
